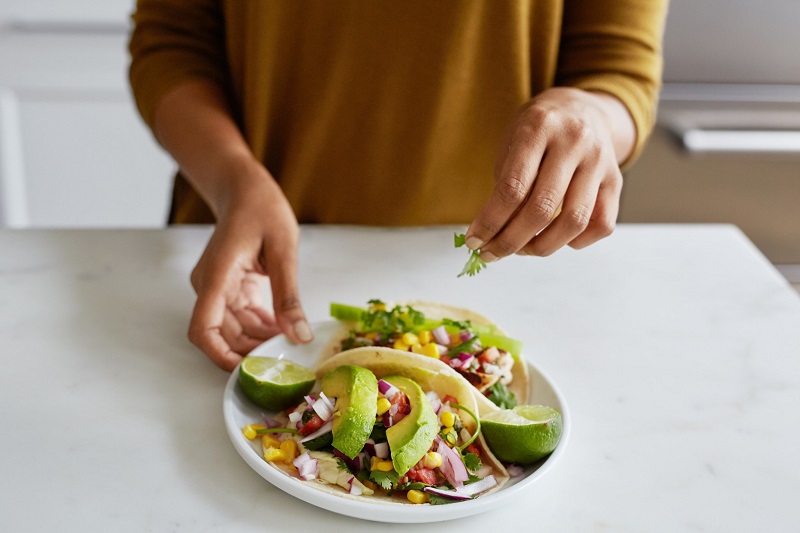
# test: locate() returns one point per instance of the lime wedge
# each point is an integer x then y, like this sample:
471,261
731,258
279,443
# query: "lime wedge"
524,434
274,384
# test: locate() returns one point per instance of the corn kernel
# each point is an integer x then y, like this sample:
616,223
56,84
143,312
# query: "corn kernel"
430,350
383,405
249,430
417,496
369,484
370,335
400,345
410,339
383,466
268,441
449,436
377,307
425,336
289,449
373,462
416,348
448,419
432,460
275,455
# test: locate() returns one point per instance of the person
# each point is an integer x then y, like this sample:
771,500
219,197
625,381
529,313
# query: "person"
500,113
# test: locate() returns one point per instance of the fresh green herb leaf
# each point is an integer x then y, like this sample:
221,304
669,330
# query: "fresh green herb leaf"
501,396
472,461
472,478
399,319
435,499
341,465
375,301
416,485
467,346
474,263
386,480
378,432
458,324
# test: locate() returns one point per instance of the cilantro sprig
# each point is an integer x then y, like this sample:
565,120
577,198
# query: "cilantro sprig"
499,395
474,263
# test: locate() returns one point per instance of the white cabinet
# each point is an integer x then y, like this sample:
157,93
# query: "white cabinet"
73,150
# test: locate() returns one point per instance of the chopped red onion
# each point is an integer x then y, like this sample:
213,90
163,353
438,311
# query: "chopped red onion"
441,348
440,335
355,490
309,400
387,389
369,447
466,362
451,494
295,416
323,407
326,427
515,470
479,486
464,335
434,400
306,466
382,450
353,464
270,422
464,356
455,467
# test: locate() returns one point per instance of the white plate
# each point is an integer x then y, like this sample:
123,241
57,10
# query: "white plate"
239,411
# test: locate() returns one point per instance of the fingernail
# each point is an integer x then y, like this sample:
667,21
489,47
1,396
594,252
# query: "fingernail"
488,257
473,243
303,331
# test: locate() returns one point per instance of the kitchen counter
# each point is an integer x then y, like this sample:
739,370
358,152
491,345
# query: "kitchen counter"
677,349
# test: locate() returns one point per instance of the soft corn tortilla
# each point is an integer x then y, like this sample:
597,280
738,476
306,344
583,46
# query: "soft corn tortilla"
520,384
439,378
436,377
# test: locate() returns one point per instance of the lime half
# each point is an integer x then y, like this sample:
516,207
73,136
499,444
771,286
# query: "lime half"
274,384
524,434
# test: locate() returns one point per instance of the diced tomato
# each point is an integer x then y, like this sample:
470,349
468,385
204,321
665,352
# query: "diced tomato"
489,355
449,399
399,409
313,424
474,449
444,359
425,475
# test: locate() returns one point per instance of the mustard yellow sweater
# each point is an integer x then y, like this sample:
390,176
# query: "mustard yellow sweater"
390,112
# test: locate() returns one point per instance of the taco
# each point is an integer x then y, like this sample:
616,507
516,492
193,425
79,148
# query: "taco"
465,341
378,426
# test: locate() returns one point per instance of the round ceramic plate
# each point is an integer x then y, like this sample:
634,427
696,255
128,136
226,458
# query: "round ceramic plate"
239,411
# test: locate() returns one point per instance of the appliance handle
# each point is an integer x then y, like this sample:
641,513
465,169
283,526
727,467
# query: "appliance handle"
705,140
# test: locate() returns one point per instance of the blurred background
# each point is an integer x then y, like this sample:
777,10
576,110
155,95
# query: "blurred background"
74,153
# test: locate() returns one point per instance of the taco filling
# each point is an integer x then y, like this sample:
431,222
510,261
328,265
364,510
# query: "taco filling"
483,356
388,437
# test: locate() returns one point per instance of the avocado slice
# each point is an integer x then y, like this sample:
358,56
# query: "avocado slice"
356,391
410,439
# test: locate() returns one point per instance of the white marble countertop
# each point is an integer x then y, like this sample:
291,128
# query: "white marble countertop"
677,349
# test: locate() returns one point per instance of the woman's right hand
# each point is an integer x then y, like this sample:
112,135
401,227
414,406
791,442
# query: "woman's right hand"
255,239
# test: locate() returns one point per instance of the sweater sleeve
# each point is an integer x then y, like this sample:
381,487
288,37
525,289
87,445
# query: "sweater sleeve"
615,47
173,41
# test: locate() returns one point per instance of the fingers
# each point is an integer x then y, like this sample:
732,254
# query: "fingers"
604,217
206,329
558,183
281,265
514,181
